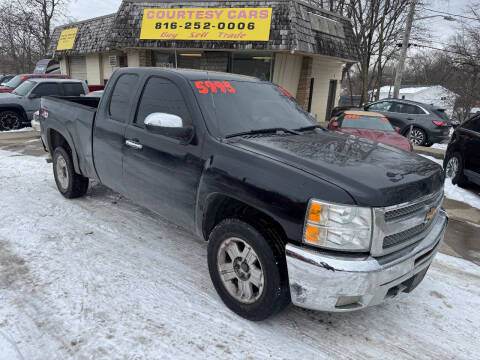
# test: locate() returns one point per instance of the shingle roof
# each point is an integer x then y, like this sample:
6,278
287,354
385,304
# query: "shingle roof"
93,36
296,26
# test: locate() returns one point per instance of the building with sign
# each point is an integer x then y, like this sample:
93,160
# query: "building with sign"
292,43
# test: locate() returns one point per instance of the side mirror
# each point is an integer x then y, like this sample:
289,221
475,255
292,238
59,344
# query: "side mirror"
169,125
33,96
397,129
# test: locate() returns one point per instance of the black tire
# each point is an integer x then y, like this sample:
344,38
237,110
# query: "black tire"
275,295
418,137
70,184
10,120
458,178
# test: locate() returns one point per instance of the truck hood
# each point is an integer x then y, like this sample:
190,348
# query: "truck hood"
8,98
385,137
372,173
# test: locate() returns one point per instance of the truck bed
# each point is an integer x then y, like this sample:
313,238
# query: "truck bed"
73,117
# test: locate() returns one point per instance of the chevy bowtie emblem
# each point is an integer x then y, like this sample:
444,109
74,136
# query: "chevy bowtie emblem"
430,214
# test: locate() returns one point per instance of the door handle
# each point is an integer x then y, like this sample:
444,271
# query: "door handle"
133,144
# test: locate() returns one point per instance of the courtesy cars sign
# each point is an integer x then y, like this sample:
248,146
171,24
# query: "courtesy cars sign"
231,24
67,39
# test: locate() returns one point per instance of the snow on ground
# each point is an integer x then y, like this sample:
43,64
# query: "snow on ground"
101,278
455,192
18,130
440,146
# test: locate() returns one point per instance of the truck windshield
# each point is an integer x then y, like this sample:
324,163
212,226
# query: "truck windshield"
233,107
23,89
13,83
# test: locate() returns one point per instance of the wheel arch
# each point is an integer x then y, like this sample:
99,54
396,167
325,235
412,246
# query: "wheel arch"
219,207
55,139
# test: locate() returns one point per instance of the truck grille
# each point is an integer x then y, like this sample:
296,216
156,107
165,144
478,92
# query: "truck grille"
399,226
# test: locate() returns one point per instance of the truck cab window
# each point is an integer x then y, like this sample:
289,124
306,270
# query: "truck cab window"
122,97
73,89
161,95
46,89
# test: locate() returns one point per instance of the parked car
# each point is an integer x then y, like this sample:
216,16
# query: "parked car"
370,125
291,211
98,93
17,108
4,78
462,158
20,79
429,123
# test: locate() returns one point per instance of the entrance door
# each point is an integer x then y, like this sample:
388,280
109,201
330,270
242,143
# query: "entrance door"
332,92
78,67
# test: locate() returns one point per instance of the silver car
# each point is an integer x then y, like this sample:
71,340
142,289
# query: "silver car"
17,108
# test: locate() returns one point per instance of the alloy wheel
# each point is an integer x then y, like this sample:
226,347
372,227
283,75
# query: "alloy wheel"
62,172
9,121
451,169
417,137
240,270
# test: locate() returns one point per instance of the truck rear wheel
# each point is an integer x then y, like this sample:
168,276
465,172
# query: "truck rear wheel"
248,270
69,183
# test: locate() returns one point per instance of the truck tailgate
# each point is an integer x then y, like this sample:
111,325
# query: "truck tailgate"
73,118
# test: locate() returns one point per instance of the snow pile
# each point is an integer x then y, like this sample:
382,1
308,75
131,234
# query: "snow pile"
440,146
101,278
18,130
455,192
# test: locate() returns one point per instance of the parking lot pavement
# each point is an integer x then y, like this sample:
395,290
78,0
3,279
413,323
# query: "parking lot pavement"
101,277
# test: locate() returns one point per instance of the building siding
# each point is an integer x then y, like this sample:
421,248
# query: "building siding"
286,71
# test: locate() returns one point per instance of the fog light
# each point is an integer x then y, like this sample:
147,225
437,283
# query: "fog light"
349,301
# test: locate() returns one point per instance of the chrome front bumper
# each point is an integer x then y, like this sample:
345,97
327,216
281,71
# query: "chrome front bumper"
326,282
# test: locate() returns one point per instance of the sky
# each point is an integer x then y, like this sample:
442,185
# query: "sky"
441,30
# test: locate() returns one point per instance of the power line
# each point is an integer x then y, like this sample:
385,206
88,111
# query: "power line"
451,14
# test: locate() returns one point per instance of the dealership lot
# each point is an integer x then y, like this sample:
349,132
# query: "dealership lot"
100,277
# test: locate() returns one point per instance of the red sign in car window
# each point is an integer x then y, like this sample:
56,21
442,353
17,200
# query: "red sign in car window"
214,87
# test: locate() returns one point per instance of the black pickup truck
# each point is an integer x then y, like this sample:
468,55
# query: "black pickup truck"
292,212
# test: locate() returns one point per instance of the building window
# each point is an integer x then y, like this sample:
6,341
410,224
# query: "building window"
259,65
165,59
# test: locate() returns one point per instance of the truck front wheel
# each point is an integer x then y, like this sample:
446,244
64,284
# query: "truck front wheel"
69,183
248,269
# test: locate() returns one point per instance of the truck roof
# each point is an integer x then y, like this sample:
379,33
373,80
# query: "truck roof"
191,74
56,80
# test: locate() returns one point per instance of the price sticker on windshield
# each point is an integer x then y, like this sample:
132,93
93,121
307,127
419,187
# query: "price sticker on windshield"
214,87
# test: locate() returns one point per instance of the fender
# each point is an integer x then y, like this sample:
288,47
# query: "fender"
66,135
16,107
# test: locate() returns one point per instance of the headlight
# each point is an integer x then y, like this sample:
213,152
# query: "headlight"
338,227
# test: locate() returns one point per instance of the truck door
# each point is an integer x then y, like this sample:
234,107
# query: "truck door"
161,173
110,128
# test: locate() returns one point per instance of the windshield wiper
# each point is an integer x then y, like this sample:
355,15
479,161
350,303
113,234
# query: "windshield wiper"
262,131
311,127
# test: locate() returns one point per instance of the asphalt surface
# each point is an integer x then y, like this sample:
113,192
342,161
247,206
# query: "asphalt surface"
461,240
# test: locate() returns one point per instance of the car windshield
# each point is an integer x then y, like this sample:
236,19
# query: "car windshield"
23,89
13,83
351,121
233,107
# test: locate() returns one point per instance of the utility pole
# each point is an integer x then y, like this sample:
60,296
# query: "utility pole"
403,53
